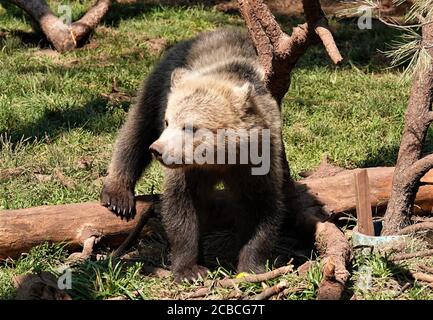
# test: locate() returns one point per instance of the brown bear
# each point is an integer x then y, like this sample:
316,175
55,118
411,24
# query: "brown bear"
205,113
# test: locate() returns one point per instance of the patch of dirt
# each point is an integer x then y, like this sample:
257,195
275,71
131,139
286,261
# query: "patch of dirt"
50,53
325,169
116,95
156,46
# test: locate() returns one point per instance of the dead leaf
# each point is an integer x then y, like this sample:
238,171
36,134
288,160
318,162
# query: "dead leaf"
85,163
156,46
10,173
64,180
43,177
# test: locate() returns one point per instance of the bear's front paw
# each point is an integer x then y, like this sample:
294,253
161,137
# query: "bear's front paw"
119,199
190,274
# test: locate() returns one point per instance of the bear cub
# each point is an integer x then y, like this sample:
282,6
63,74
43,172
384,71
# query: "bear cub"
205,113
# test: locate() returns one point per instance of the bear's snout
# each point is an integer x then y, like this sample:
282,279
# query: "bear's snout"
156,149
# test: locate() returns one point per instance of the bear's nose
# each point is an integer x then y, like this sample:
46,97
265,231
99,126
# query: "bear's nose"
156,149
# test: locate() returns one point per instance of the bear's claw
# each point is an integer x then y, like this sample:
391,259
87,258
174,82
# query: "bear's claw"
120,202
190,274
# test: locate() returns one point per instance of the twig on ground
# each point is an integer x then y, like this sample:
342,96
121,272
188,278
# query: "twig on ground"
420,276
288,291
406,256
64,180
200,293
86,253
271,291
425,268
253,278
422,226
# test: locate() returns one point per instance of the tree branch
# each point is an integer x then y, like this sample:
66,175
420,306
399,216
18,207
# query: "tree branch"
416,227
328,41
90,20
418,169
63,37
279,52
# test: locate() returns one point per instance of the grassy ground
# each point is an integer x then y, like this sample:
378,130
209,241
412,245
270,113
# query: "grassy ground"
59,113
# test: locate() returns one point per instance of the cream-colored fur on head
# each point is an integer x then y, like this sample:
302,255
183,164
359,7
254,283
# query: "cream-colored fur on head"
206,104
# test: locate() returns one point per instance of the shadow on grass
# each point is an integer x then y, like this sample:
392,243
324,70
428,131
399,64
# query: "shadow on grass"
387,156
359,47
375,264
363,48
31,38
94,116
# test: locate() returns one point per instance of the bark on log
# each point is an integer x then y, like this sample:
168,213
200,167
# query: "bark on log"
337,193
22,229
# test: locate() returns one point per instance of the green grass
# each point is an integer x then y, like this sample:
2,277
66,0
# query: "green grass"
53,115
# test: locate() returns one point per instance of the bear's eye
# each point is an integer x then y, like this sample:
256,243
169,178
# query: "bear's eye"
166,123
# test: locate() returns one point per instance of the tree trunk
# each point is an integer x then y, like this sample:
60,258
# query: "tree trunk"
410,168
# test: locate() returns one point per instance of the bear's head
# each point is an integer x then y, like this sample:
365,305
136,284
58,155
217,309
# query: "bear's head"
204,115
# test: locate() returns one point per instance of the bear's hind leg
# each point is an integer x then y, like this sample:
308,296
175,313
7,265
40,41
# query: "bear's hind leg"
258,226
184,190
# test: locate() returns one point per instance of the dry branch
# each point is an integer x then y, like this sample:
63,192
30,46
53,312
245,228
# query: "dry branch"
416,228
407,256
86,253
425,268
253,278
336,252
64,37
279,52
200,293
420,276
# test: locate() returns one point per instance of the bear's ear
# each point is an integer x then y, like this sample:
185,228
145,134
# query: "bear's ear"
243,93
177,75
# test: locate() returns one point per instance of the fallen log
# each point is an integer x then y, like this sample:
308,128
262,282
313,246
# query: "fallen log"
22,229
337,193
